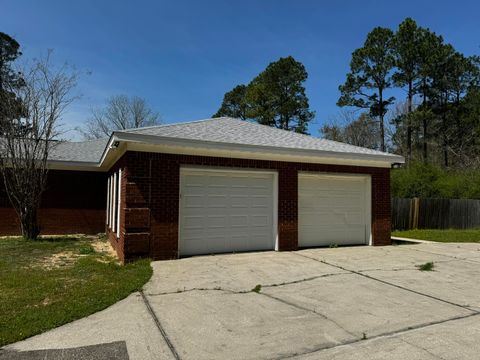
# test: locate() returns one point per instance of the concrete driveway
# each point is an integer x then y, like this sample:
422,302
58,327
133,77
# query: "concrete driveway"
343,303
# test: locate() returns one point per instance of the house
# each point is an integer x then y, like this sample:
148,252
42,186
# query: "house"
215,185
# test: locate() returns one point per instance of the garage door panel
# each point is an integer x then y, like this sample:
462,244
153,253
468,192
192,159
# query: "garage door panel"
194,201
333,237
215,242
262,201
238,220
242,201
218,221
260,220
217,201
230,211
194,222
332,210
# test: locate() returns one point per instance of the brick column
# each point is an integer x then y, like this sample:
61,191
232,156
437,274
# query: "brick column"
381,208
164,207
136,207
287,209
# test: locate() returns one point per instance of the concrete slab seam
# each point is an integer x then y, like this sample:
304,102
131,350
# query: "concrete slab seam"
391,284
160,327
384,335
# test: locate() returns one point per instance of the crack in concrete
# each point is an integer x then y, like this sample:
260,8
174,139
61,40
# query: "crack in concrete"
458,258
422,348
308,310
159,326
391,284
191,290
356,338
389,270
380,336
306,279
413,267
218,288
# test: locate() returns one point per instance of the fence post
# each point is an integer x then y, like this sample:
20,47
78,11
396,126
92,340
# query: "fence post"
416,211
410,214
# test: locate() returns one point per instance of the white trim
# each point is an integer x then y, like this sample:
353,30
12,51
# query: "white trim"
368,200
275,210
274,173
119,200
368,195
202,144
114,201
111,199
195,146
107,217
268,156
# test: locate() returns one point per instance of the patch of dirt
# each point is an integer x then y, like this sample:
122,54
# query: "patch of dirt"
68,258
103,247
58,260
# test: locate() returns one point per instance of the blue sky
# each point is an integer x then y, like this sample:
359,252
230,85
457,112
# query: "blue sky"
182,56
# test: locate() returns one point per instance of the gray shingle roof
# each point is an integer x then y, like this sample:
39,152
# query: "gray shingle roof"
84,151
236,131
222,130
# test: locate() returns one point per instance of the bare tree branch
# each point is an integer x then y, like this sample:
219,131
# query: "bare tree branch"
119,113
29,135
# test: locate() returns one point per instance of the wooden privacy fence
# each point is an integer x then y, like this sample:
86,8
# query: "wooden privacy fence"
435,214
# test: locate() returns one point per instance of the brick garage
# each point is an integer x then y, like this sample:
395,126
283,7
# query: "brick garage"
150,197
148,171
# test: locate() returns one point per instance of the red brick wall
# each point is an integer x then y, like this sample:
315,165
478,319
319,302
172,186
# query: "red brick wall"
152,199
74,202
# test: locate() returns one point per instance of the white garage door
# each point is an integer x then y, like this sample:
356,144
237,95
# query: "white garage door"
333,210
225,211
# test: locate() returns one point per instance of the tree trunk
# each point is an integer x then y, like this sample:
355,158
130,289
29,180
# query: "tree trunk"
445,138
409,125
425,124
425,152
29,223
382,128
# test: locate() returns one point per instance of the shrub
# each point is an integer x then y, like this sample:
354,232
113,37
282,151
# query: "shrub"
429,181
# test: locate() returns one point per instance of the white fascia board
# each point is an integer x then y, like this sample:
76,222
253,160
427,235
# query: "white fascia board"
258,149
253,155
153,143
73,165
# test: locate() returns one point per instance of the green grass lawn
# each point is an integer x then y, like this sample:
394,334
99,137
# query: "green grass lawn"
50,282
450,235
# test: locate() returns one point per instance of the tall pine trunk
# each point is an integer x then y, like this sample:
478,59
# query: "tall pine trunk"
409,125
425,124
445,137
381,115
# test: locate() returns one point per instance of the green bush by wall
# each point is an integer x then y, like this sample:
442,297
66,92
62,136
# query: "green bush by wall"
429,181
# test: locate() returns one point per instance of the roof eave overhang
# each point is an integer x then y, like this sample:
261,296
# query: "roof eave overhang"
187,143
112,152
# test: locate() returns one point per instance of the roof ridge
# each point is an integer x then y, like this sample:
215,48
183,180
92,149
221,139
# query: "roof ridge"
309,136
173,124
